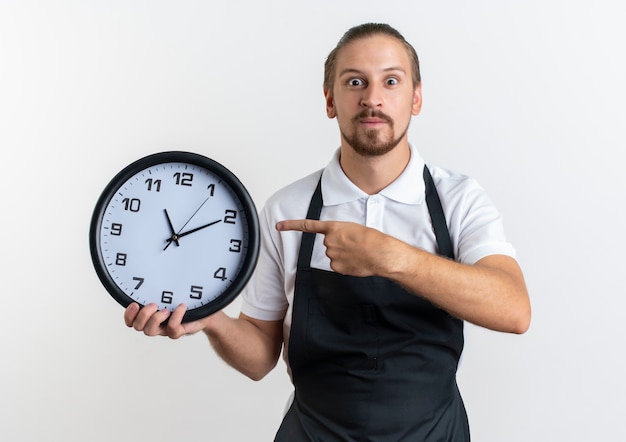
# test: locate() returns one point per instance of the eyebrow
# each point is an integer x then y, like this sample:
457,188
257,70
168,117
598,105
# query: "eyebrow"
357,71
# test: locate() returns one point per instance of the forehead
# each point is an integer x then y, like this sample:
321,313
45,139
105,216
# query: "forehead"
375,52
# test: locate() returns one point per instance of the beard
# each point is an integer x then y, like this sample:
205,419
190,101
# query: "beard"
372,142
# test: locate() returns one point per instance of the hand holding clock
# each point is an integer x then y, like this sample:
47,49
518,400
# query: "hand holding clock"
252,346
152,321
177,294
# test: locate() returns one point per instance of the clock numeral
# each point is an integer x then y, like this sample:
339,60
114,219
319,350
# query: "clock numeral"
211,189
183,179
220,274
153,183
131,204
196,292
235,246
167,297
116,229
139,282
230,217
120,259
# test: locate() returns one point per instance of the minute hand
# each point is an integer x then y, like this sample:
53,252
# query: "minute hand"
180,235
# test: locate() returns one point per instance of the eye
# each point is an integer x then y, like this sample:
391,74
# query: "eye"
355,82
392,81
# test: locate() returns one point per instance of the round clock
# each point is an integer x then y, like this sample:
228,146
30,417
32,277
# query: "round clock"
173,228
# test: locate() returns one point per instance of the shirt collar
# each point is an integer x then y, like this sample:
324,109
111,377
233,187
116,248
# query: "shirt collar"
408,188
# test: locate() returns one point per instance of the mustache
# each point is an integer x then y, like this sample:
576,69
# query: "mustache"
372,113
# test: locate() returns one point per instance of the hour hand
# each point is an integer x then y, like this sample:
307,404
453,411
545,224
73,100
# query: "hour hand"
174,237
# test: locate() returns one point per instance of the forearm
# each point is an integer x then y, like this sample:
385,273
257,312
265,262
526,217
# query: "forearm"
251,347
490,293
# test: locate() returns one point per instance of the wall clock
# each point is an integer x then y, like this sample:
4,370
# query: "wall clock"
175,227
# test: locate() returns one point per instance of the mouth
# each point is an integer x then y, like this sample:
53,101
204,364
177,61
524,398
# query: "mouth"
369,119
372,121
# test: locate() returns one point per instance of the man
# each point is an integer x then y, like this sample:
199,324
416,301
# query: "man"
368,294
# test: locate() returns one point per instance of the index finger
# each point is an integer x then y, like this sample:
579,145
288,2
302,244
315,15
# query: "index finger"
303,225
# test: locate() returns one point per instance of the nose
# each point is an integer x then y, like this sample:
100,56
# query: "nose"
372,97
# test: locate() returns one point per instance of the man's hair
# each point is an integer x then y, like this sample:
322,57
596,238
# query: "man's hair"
363,31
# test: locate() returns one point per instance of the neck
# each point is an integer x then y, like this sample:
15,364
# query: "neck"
373,174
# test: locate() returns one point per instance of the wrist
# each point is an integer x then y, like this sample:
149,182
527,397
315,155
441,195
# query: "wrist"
400,261
211,324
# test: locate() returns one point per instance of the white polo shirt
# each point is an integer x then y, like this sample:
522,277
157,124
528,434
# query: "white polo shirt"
399,210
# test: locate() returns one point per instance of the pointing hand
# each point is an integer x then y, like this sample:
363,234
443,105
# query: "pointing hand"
353,249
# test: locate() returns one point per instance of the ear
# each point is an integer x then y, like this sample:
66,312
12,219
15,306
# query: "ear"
417,100
330,104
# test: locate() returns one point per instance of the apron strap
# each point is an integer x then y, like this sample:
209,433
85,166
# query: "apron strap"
438,218
308,238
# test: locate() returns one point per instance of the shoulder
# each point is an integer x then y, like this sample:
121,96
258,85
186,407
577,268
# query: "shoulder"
455,188
475,224
450,180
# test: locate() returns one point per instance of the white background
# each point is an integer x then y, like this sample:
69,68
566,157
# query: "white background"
526,96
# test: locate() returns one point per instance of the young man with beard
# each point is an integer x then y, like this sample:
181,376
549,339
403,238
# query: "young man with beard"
366,284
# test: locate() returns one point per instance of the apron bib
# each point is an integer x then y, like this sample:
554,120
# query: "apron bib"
369,360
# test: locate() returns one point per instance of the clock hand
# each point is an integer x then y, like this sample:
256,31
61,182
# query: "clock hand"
194,214
180,235
174,237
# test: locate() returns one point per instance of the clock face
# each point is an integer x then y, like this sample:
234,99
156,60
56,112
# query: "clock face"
175,228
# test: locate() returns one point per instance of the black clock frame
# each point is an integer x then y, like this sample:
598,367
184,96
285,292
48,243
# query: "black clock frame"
252,252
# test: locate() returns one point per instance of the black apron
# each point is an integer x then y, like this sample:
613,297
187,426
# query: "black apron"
369,360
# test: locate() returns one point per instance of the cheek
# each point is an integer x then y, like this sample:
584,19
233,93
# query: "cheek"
342,115
406,110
